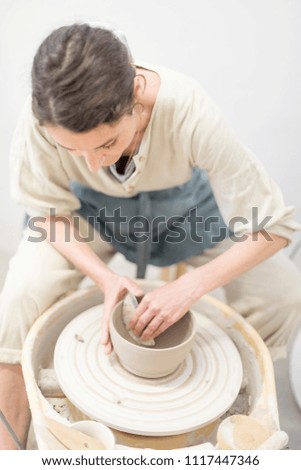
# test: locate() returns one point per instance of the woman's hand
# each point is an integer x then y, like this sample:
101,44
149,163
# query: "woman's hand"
115,288
162,307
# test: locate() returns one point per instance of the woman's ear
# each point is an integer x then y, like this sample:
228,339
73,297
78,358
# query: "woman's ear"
139,86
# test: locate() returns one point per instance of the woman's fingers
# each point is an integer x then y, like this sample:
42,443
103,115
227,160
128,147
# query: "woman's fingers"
108,348
114,294
154,328
108,306
142,315
140,319
132,287
150,324
104,337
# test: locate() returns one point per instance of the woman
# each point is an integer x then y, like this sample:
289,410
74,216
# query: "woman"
120,143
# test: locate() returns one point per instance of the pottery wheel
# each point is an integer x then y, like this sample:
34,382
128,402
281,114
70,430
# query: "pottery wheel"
202,388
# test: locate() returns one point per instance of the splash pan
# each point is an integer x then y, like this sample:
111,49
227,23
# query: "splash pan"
223,395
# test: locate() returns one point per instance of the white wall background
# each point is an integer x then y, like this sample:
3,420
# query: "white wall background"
246,53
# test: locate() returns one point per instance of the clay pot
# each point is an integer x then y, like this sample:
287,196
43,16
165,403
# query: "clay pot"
170,350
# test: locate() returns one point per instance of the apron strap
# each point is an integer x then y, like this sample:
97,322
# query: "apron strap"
144,248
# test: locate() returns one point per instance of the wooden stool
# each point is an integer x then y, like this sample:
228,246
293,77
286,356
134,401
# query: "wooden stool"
170,273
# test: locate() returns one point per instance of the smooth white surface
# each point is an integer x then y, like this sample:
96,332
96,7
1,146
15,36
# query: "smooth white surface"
203,387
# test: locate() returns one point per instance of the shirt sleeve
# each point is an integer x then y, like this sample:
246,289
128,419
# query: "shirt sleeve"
38,180
248,198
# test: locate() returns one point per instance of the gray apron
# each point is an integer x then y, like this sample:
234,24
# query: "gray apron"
156,227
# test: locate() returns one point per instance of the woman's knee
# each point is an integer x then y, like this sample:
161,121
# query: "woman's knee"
18,312
28,291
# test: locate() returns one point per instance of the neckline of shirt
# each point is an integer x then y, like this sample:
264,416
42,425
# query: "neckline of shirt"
142,151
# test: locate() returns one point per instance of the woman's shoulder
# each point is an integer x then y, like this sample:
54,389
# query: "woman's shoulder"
180,97
174,84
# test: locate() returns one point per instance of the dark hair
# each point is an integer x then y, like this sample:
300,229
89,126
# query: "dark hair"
81,77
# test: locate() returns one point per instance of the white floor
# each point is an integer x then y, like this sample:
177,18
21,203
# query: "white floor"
289,413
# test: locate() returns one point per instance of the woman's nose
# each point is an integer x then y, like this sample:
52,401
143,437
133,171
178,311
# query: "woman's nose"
93,161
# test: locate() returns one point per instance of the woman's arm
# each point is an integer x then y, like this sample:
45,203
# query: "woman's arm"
62,234
241,257
81,255
162,307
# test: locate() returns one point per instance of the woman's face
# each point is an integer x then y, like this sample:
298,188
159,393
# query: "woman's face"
101,146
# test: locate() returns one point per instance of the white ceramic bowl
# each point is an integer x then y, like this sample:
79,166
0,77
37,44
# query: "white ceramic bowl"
171,348
98,431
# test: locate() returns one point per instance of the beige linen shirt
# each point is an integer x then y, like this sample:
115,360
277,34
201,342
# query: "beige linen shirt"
186,130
